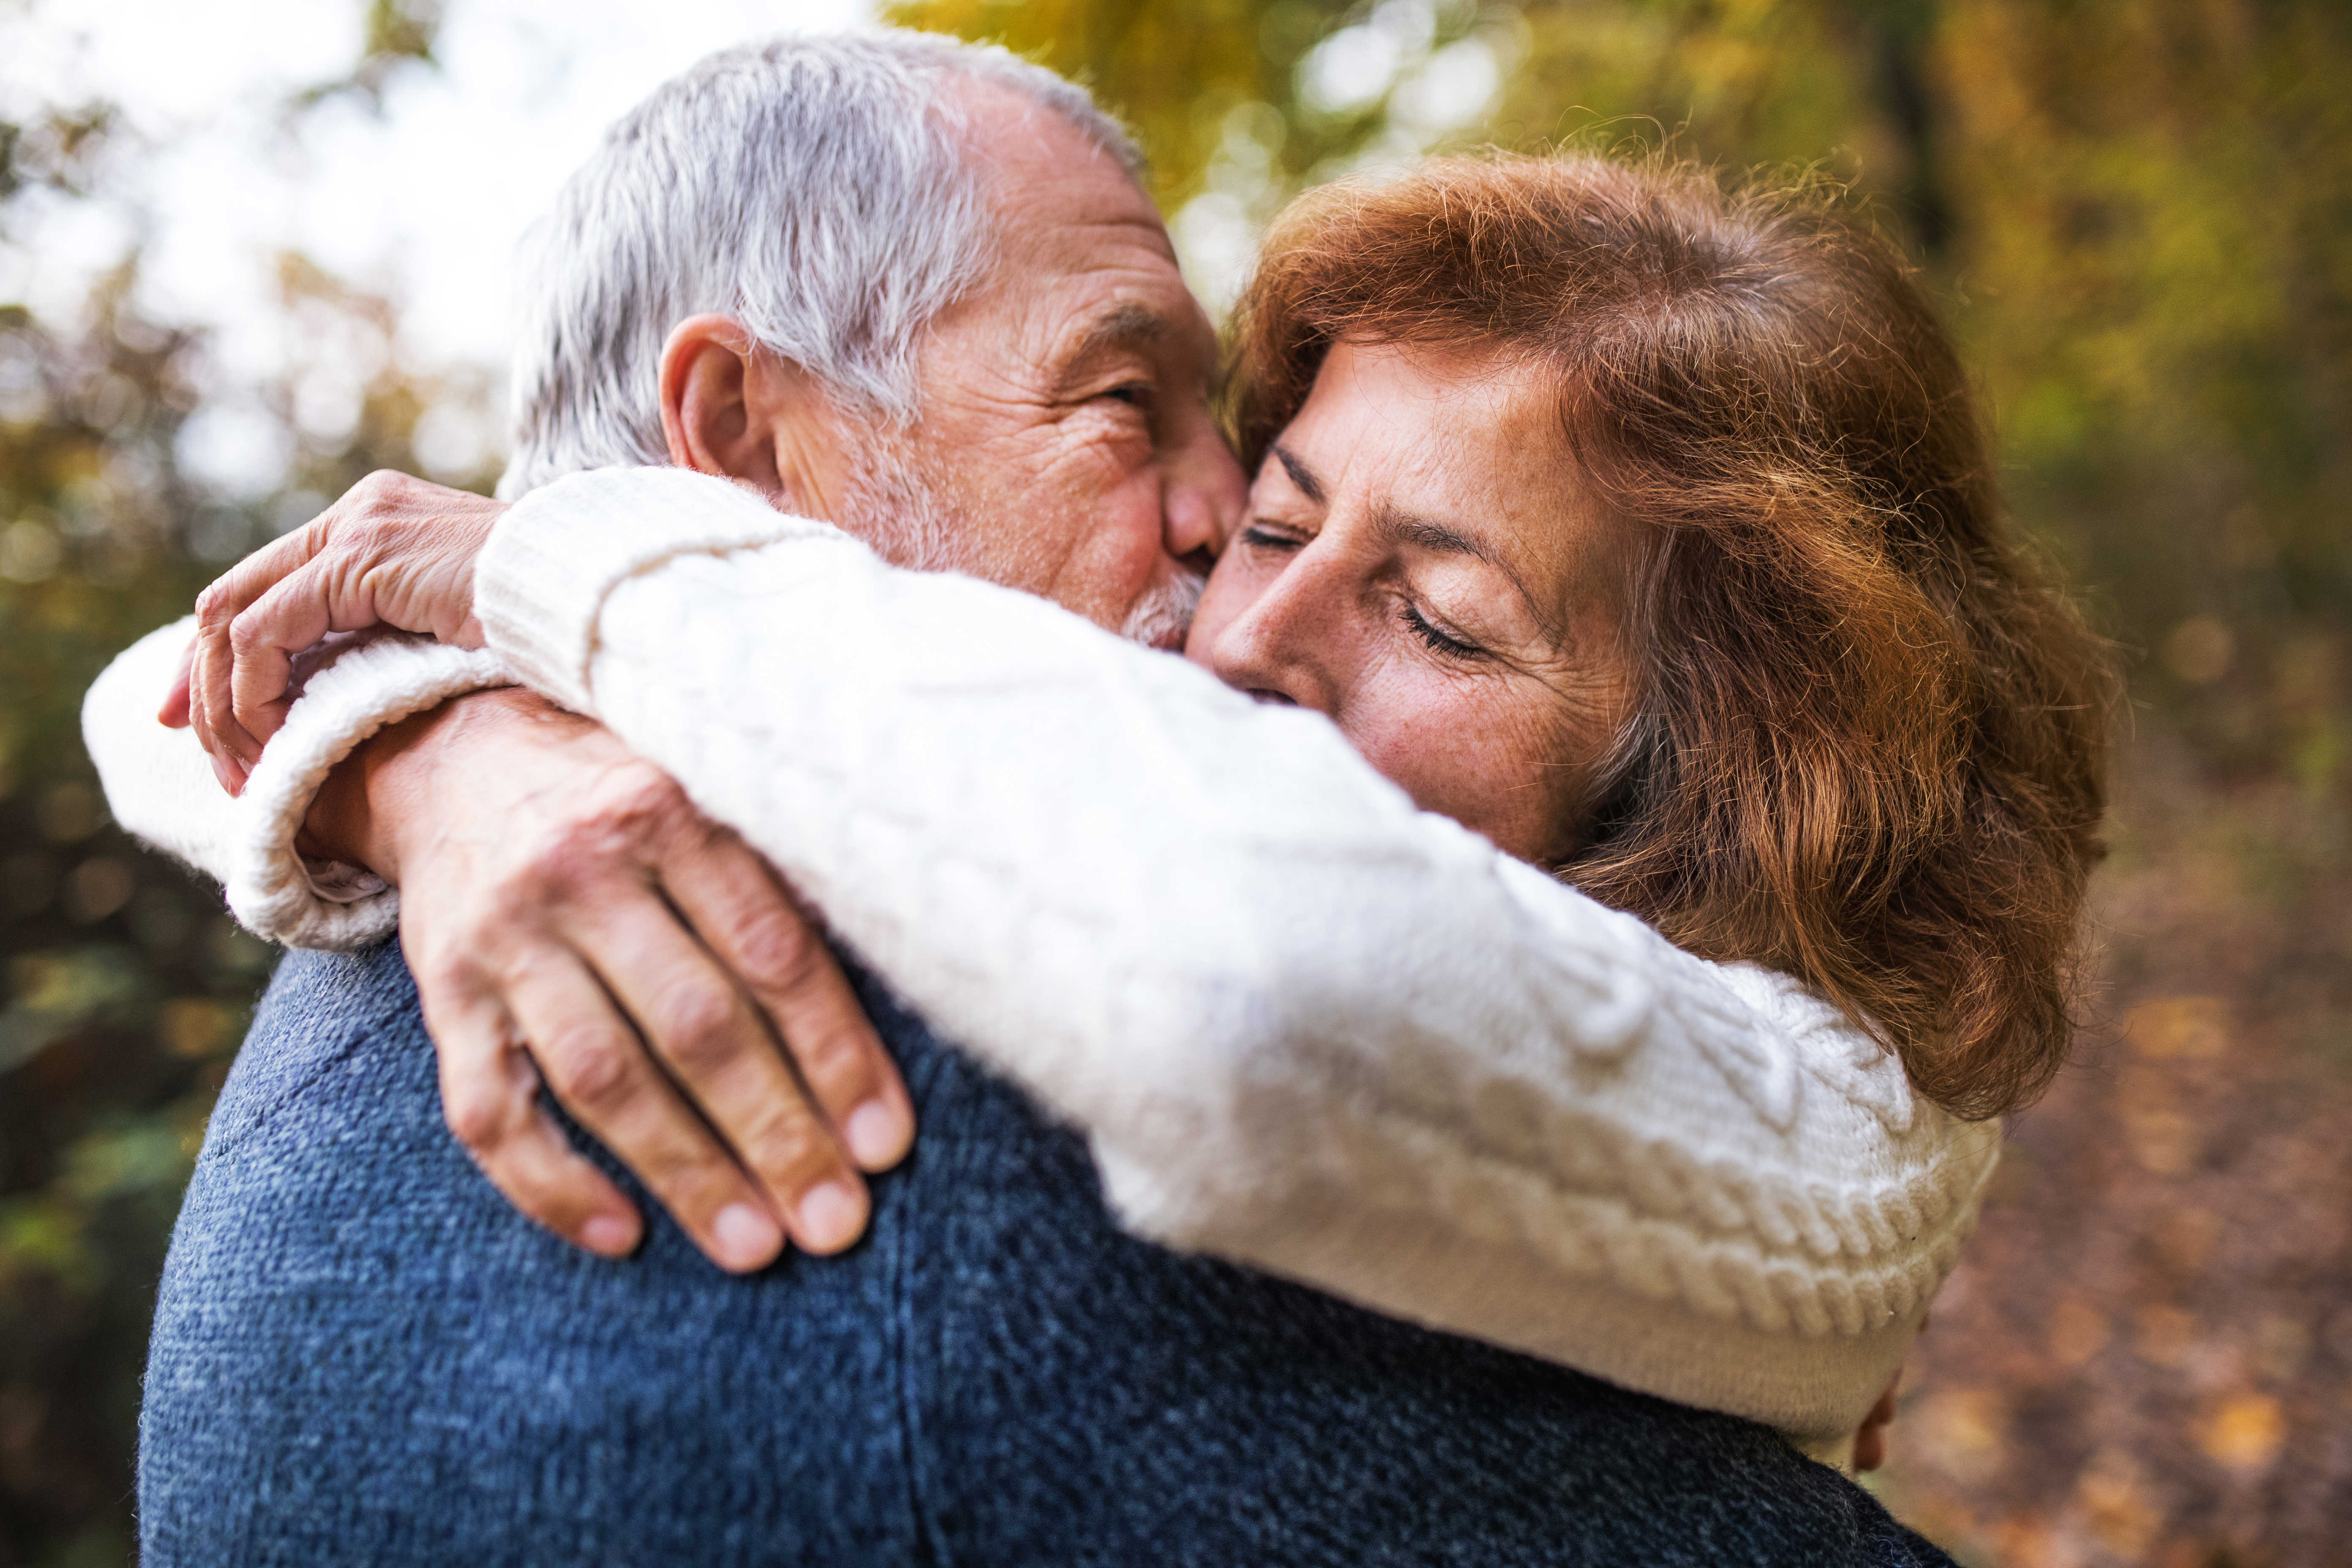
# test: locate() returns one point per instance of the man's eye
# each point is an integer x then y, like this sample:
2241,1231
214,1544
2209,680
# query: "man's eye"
1452,647
1134,393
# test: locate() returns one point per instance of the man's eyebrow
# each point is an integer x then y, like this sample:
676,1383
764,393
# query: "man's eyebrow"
1124,326
1300,475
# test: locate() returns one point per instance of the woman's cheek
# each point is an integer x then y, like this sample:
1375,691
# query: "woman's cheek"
1494,760
1429,734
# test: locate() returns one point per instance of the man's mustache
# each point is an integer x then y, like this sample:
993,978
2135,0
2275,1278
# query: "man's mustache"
1162,616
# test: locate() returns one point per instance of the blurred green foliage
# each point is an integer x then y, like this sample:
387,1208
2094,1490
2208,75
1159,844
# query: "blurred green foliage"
127,987
2137,215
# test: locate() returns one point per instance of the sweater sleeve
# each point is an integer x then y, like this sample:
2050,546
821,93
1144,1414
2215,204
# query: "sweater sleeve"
158,784
161,790
1304,1024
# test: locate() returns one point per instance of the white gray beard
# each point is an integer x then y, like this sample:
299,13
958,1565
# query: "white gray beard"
892,504
1162,616
894,507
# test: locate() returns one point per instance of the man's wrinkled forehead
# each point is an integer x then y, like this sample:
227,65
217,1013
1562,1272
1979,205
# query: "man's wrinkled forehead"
1052,191
1084,268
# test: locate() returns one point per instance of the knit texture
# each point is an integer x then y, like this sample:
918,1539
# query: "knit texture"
158,784
159,787
1304,1025
600,547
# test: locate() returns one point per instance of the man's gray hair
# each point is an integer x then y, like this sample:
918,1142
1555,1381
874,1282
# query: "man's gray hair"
818,189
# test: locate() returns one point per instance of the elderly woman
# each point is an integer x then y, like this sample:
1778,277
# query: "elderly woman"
1623,563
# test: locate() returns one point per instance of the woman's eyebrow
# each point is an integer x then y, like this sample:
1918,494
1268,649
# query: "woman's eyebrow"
1300,475
1401,528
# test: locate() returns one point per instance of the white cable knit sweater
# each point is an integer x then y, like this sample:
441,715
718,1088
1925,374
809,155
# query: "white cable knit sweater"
1304,1024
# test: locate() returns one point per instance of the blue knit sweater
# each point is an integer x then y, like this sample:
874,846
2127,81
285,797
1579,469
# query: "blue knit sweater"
361,1355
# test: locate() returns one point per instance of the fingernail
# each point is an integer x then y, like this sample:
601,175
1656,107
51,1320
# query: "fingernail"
609,1235
830,1217
877,1135
748,1237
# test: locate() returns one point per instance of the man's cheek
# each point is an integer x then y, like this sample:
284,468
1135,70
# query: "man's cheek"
1093,457
1117,563
1120,520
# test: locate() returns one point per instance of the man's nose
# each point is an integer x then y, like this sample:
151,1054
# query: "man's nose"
1291,641
1205,496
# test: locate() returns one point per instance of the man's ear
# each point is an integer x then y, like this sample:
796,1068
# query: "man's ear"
732,409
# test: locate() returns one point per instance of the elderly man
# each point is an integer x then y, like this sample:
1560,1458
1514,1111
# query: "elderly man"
362,1354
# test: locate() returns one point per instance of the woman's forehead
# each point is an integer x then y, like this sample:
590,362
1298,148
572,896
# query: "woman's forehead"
1469,441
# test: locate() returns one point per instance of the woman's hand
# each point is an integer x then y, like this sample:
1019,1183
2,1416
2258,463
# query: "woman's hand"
573,921
393,552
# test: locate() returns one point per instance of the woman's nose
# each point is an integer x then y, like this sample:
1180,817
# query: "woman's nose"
1289,645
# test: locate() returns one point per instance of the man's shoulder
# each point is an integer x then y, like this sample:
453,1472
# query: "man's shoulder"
319,1008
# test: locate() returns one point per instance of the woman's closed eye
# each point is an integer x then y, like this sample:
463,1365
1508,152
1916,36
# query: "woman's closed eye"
1137,395
1264,535
1439,641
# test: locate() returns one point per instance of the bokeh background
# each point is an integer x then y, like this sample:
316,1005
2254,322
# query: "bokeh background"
250,251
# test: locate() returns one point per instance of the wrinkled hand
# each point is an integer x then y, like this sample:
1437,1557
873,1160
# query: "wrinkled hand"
393,552
573,921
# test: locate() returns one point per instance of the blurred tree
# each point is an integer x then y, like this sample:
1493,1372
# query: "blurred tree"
1239,106
2153,205
127,987
1172,71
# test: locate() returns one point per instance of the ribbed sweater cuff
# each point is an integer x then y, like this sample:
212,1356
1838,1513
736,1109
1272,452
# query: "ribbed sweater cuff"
558,553
273,892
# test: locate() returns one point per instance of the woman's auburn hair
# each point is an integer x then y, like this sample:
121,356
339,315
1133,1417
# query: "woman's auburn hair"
1868,736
